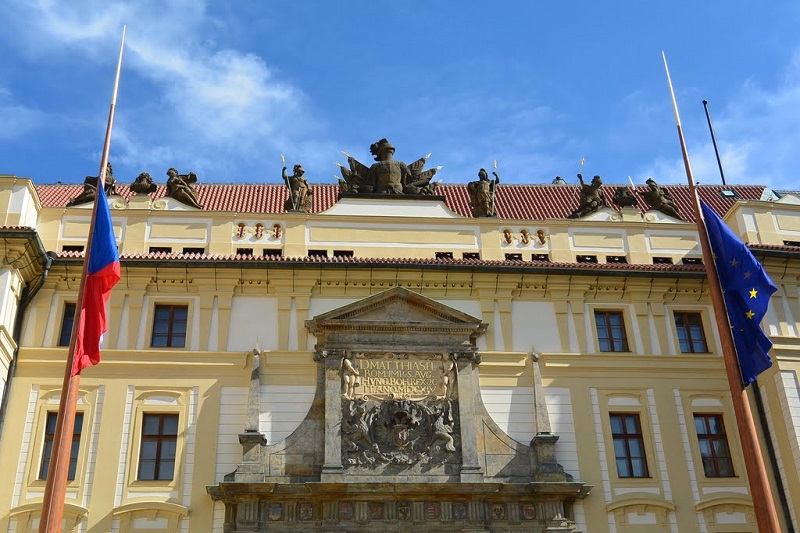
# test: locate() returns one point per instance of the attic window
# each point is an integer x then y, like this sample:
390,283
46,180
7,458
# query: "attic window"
662,260
161,249
586,258
540,257
72,248
616,259
273,252
318,253
244,251
444,255
471,255
785,243
727,193
343,253
692,260
513,257
189,250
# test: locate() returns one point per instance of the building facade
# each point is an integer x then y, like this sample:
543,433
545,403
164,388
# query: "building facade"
393,363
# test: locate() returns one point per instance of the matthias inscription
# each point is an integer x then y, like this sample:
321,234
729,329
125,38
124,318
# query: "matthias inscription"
397,376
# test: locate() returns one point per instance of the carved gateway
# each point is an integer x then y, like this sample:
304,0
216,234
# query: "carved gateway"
397,437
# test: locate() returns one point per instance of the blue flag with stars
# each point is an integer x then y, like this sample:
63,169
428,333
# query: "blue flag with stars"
747,288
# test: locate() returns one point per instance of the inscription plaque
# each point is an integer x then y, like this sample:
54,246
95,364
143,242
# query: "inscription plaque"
383,376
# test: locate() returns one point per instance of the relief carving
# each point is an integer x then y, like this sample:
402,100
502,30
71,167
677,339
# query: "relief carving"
401,432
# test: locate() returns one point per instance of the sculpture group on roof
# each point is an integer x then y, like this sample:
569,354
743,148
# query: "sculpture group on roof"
390,177
387,176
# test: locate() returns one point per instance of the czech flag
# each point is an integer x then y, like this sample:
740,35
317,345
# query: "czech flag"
102,274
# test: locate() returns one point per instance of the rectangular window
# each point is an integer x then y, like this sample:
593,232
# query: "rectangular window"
272,252
72,248
161,249
49,435
540,257
690,332
513,257
713,446
343,253
471,255
191,250
586,258
66,324
662,260
628,445
169,326
159,444
616,259
318,253
611,331
443,255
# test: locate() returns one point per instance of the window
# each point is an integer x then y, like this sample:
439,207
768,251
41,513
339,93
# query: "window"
611,331
191,250
713,446
49,435
513,257
72,248
159,444
540,257
273,252
66,324
692,260
662,260
244,251
628,445
343,253
586,258
444,255
160,249
616,259
318,253
471,255
690,332
169,326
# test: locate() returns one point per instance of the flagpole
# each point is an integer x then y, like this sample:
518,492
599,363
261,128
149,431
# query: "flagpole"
58,469
714,141
763,504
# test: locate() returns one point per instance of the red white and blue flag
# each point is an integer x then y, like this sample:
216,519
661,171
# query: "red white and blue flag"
102,274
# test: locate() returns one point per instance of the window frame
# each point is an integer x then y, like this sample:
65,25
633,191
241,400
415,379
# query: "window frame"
608,326
686,327
68,316
711,437
48,438
160,438
169,334
627,438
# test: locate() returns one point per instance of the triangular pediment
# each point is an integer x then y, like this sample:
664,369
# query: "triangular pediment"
398,305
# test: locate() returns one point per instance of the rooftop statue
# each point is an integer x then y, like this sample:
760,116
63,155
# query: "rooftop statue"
387,176
592,198
624,198
143,184
181,187
481,194
660,199
90,187
300,193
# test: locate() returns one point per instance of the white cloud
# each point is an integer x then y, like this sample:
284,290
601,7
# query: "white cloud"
203,106
17,119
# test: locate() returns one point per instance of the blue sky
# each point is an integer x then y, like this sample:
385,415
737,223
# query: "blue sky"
223,88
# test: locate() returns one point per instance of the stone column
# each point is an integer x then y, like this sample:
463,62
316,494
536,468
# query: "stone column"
332,470
469,396
252,468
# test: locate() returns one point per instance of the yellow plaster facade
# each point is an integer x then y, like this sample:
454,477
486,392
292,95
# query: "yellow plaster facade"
234,305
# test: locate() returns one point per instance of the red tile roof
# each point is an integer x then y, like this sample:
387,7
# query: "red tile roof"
514,202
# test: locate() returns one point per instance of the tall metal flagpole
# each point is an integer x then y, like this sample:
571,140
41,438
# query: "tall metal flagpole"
714,141
57,473
764,506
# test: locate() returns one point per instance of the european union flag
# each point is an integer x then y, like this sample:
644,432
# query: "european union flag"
747,288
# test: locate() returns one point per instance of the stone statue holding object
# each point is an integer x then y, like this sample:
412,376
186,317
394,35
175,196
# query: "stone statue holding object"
592,198
482,193
300,193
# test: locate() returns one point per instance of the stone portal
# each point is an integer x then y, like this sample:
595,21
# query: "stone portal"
397,437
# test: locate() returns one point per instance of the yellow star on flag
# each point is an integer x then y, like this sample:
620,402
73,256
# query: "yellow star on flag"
753,293
749,314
